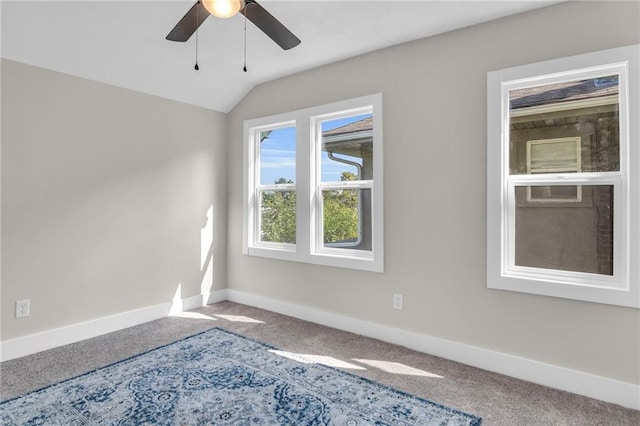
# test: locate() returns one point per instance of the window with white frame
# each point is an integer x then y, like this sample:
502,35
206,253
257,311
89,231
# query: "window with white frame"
313,186
562,193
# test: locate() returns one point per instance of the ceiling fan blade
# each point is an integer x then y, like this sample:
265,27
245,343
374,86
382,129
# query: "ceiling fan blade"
270,25
189,23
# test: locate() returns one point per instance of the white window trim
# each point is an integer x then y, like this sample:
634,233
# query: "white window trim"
308,184
624,287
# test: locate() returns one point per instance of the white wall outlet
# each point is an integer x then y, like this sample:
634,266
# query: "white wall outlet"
23,308
397,301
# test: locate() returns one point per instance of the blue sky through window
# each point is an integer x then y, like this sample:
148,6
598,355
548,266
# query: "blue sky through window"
278,154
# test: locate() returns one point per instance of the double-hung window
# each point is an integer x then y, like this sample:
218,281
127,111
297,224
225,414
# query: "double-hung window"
564,178
313,188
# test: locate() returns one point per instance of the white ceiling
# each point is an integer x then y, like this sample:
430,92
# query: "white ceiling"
123,42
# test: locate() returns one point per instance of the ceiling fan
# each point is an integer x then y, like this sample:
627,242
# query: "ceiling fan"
255,13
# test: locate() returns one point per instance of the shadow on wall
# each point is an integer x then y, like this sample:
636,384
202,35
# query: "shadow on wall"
115,246
206,268
107,203
206,254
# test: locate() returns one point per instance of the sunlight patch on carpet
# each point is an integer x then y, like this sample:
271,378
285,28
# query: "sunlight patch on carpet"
240,318
397,368
193,315
318,359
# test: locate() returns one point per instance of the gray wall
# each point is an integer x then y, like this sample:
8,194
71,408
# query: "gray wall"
435,140
105,195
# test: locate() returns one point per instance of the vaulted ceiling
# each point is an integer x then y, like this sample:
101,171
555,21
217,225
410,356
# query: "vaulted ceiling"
122,43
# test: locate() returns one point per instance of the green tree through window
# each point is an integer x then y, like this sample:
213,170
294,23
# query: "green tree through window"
279,215
340,214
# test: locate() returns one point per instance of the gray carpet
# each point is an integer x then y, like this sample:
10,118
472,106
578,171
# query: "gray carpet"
498,399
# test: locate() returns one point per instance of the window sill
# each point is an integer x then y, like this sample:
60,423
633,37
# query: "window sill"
361,263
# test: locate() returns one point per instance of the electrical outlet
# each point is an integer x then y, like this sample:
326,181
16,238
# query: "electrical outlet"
397,301
23,308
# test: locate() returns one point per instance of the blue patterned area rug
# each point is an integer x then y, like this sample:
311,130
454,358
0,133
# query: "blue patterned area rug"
220,378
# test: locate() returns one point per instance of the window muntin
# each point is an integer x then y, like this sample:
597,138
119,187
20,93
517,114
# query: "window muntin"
338,209
588,99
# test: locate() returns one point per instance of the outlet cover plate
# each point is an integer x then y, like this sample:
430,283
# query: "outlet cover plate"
23,308
397,301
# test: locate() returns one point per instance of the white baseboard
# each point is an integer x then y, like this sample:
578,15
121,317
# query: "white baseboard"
195,302
217,296
581,383
30,344
598,387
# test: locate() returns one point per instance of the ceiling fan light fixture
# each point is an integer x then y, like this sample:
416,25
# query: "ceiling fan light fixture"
223,8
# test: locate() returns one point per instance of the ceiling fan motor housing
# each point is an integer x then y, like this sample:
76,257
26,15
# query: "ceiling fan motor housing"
223,8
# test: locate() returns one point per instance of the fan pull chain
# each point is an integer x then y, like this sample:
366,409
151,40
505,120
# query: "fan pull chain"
197,20
244,68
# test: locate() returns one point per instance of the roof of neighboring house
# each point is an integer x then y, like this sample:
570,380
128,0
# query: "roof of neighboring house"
564,92
356,126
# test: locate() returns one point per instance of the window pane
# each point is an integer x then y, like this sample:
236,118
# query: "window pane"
278,156
346,218
278,216
347,148
574,235
565,127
